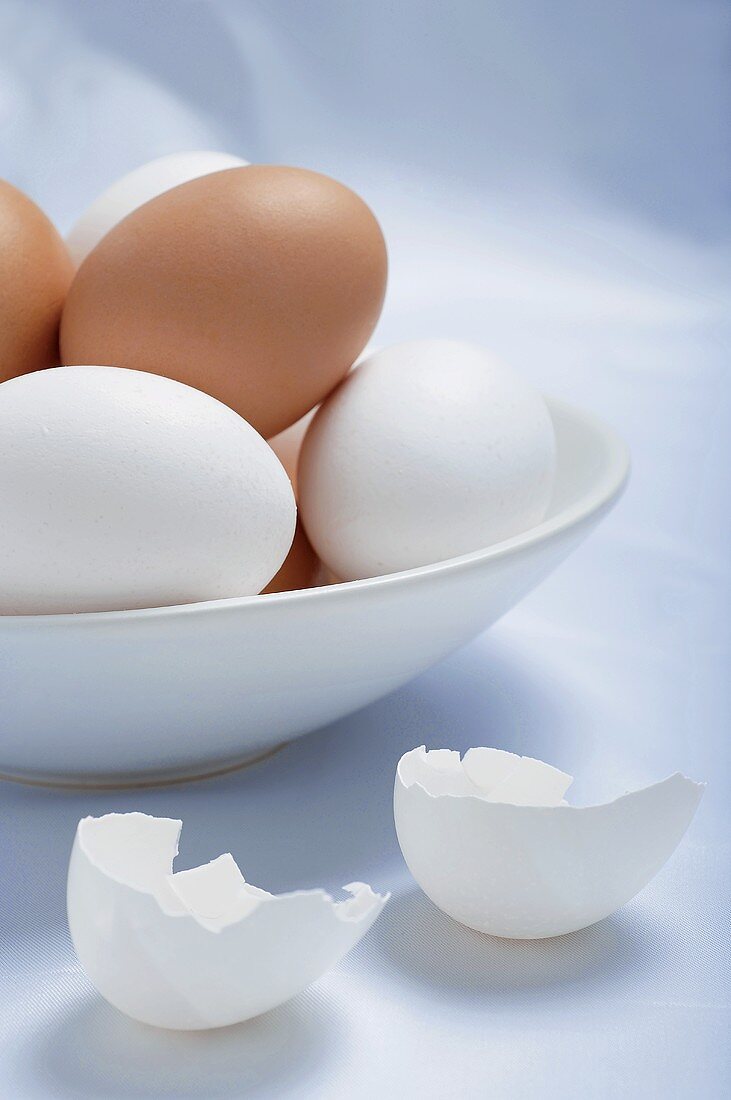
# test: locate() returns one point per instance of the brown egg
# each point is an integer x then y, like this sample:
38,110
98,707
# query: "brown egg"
258,285
35,273
300,569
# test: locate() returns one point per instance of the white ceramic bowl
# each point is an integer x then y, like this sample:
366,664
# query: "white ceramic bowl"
162,694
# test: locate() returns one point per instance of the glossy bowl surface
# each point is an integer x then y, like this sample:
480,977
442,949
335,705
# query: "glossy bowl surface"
126,697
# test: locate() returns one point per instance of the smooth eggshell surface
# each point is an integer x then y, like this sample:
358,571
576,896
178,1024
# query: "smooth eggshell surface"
138,187
529,868
428,450
288,444
258,285
35,273
124,490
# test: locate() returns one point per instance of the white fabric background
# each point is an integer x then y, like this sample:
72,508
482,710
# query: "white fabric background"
553,181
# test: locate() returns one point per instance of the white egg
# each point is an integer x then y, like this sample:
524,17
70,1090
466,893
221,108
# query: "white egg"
120,489
200,948
288,444
138,187
490,840
428,450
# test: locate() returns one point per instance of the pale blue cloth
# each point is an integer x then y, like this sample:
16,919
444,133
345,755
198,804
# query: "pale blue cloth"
553,181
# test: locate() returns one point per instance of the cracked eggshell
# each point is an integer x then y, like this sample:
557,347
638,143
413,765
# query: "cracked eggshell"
138,187
492,843
201,948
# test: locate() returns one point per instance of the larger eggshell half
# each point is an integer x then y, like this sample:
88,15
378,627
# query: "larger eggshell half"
200,948
527,871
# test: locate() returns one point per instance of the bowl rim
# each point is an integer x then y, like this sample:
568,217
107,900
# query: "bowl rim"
602,494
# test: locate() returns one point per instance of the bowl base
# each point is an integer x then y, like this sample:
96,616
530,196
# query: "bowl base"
131,782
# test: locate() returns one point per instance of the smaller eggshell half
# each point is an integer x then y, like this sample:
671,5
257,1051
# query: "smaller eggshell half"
511,859
138,187
120,489
200,948
429,450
